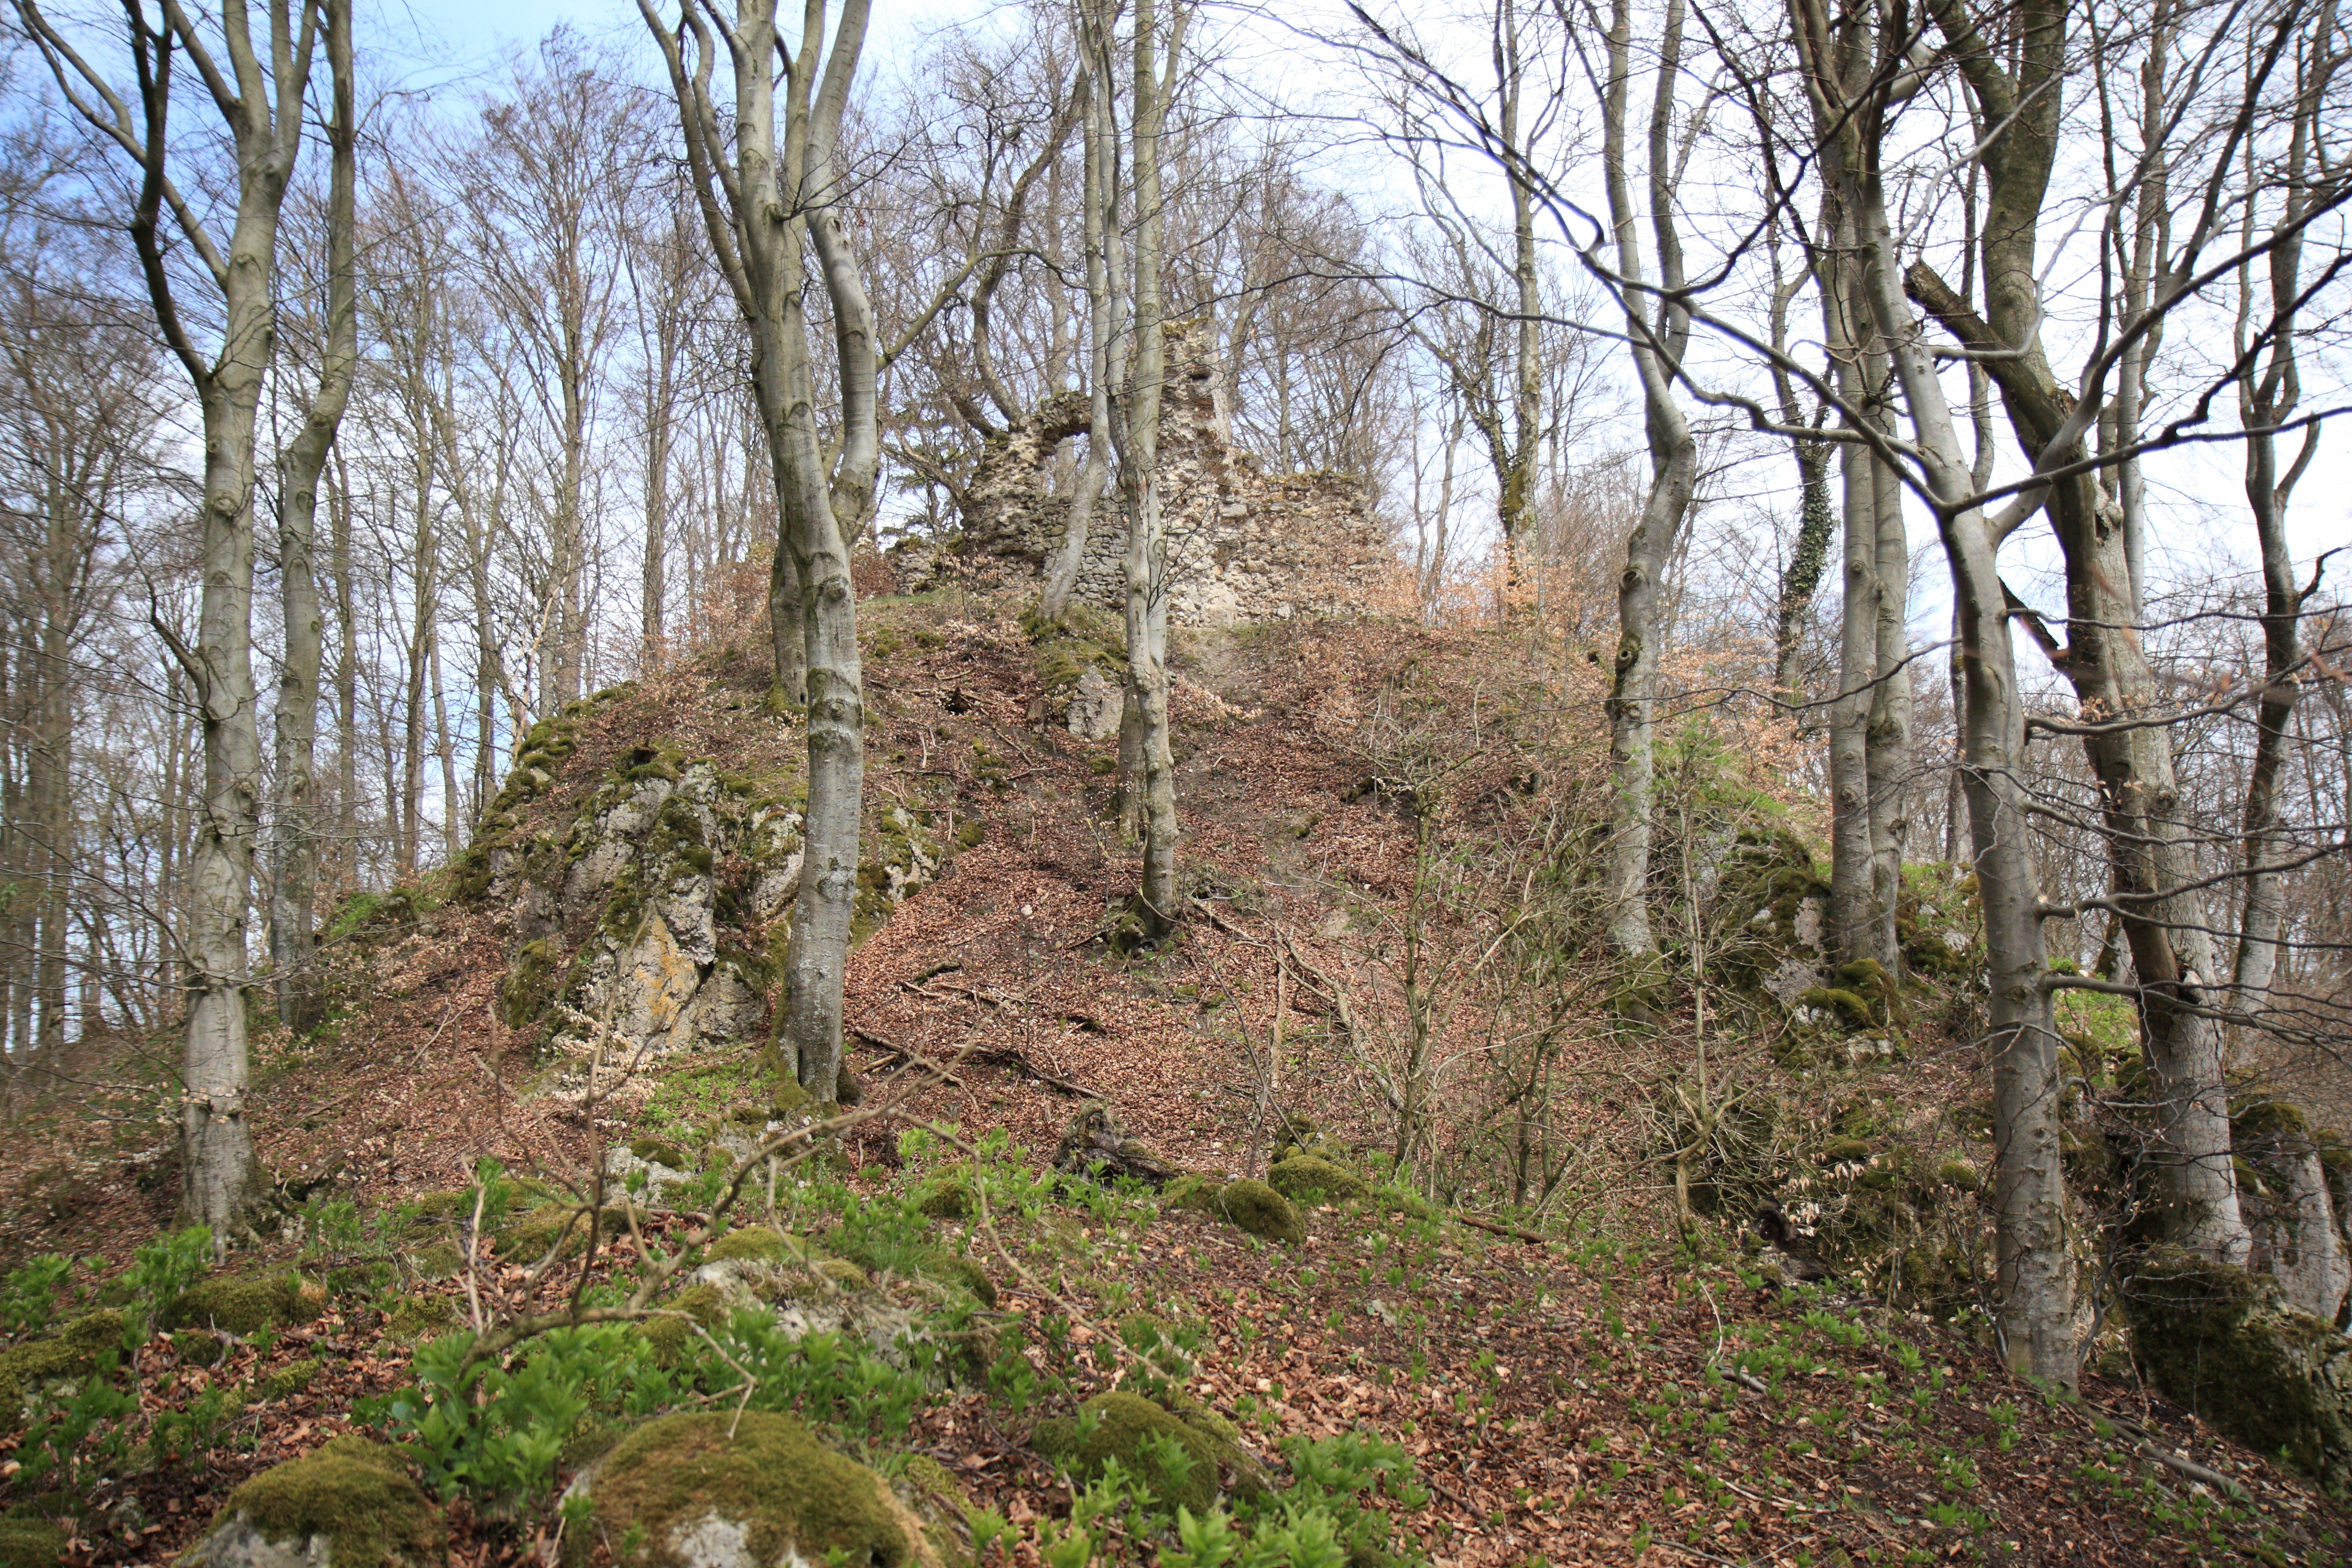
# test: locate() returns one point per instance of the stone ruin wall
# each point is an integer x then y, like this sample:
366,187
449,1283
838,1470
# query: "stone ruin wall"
1244,545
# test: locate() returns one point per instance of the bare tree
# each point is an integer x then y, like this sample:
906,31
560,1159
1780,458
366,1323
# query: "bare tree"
259,98
760,207
294,838
1657,330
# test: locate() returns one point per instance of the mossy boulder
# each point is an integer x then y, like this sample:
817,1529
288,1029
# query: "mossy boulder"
680,1493
1138,1434
351,1504
67,1355
244,1305
750,1243
1303,1175
2221,1341
30,1543
76,1353
672,1334
529,983
1189,1194
529,1238
1261,1211
955,1269
947,1195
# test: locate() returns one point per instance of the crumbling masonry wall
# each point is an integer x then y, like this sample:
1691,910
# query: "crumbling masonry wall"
1244,545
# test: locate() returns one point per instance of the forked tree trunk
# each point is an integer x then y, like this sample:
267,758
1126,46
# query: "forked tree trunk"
2034,1310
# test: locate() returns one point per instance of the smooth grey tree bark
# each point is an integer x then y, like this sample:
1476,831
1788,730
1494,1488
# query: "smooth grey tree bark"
2034,1309
1151,782
294,829
770,201
1658,334
1105,328
259,91
2270,392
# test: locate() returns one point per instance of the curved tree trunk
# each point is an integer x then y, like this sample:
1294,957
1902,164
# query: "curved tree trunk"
1658,342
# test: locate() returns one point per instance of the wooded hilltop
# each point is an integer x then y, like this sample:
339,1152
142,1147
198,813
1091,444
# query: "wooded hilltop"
1143,784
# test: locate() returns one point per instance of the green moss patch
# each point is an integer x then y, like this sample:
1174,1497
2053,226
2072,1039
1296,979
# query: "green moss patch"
957,1269
947,1195
30,1543
750,1243
680,1480
1305,1177
76,1353
1261,1211
1178,1461
354,1495
1189,1194
241,1305
2220,1341
671,1334
528,985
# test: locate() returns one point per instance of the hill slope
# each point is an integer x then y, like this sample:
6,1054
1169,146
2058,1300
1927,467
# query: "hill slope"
1573,1382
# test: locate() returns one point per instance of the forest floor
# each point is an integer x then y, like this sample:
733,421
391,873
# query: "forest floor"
1609,1395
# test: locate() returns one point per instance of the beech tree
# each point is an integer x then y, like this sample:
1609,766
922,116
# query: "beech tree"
259,93
770,198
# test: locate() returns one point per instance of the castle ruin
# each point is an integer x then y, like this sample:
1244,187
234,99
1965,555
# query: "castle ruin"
1243,545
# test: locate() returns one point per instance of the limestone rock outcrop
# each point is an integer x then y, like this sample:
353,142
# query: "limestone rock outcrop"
658,917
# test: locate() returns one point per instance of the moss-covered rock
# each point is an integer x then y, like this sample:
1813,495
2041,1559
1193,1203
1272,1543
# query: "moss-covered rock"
1261,1211
672,1333
245,1304
750,1243
1138,1434
679,1492
940,1500
1304,1176
955,1269
528,985
657,1151
1189,1194
530,1237
348,1505
30,1543
844,1274
2219,1341
947,1195
76,1353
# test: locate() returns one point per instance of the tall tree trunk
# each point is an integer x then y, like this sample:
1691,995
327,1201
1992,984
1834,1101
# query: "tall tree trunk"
1105,326
1145,712
263,117
1657,343
2034,1310
771,203
1888,737
2266,400
293,924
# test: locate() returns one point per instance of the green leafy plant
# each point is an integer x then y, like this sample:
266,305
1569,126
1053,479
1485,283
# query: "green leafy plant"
28,1299
167,1266
54,1440
493,1433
